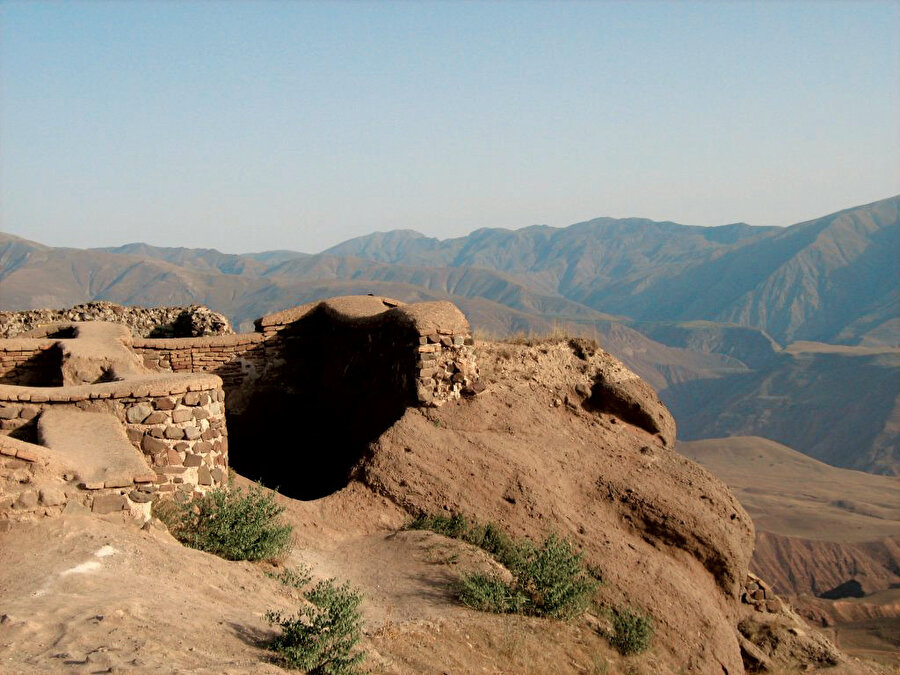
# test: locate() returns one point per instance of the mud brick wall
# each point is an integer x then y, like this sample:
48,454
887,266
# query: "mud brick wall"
237,359
430,344
30,363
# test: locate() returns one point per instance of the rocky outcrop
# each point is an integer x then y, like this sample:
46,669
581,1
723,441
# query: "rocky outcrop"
191,321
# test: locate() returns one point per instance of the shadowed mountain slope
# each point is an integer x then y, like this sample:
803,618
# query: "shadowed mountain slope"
833,279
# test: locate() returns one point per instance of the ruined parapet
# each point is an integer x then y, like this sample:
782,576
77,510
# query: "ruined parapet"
27,362
189,321
352,364
36,481
176,421
429,343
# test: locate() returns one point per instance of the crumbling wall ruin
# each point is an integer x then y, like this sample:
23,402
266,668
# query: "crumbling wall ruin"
305,394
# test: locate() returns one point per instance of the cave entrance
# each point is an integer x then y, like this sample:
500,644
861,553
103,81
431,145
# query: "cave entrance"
307,422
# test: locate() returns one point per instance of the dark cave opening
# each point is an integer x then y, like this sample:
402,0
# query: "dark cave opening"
308,421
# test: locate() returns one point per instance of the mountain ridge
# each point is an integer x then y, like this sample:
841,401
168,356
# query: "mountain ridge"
703,314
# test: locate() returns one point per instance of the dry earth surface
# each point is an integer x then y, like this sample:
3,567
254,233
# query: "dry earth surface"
533,452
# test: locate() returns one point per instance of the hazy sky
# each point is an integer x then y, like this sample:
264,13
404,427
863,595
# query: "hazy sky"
259,125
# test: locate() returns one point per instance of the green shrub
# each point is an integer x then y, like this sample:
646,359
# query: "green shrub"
455,526
632,631
232,523
298,578
495,541
554,579
321,638
551,580
488,537
488,593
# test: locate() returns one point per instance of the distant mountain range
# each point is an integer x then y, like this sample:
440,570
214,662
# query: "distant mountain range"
702,313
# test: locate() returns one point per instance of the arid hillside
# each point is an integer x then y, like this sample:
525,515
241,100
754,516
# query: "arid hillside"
820,531
547,447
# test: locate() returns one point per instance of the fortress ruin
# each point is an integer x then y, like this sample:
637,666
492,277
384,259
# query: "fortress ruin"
131,419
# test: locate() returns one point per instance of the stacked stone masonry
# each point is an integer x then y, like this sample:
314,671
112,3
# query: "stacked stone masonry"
445,367
189,321
759,595
234,358
28,490
180,430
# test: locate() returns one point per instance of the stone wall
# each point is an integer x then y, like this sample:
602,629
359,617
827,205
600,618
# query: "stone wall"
30,362
237,359
335,374
190,321
177,422
434,337
33,485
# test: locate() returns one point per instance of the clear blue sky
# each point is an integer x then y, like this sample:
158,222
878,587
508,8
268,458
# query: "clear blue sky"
258,125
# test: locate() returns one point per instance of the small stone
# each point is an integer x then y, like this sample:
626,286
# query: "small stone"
29,412
191,432
27,500
8,413
203,399
164,404
192,398
172,457
174,433
182,415
52,496
136,414
193,460
201,413
157,432
182,447
156,418
108,504
204,477
773,605
139,497
583,390
134,435
153,445
218,475
26,455
75,508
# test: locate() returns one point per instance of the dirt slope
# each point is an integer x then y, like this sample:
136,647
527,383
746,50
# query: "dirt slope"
534,452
